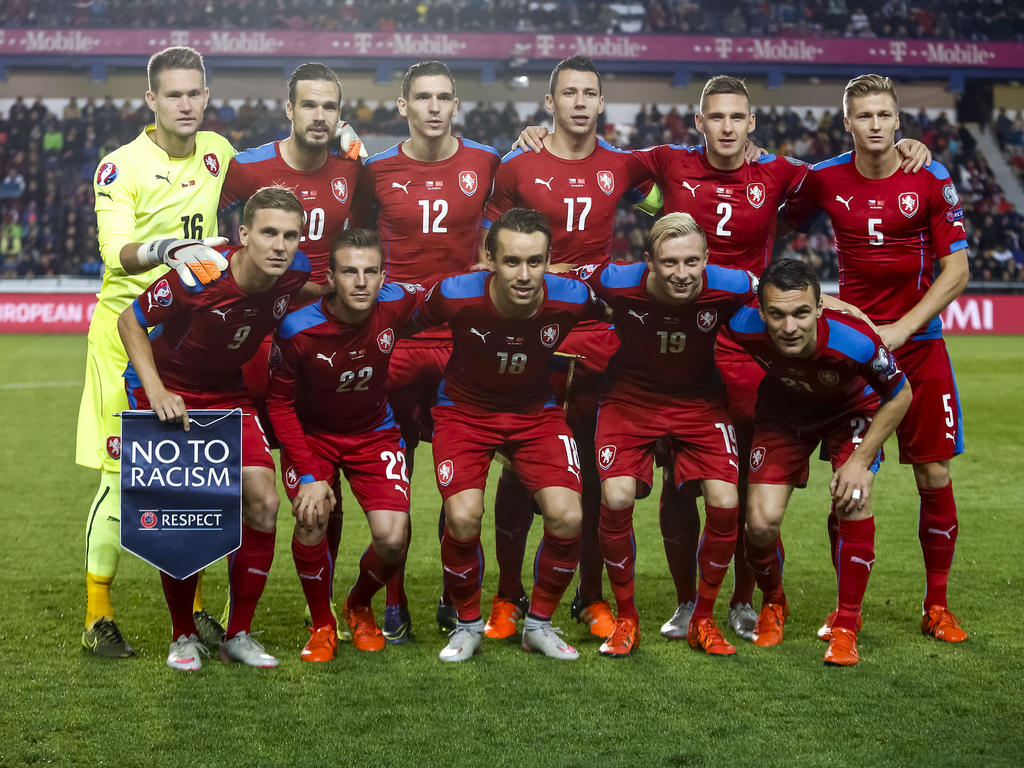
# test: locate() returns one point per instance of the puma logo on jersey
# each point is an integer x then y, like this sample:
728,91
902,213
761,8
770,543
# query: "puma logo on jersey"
403,187
844,202
638,316
165,178
483,336
947,533
693,190
951,436
862,561
402,490
545,183
103,194
222,312
330,360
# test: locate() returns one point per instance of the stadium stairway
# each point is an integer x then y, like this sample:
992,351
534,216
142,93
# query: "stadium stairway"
1004,174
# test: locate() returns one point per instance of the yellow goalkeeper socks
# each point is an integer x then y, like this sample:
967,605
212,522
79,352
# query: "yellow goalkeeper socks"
97,599
197,601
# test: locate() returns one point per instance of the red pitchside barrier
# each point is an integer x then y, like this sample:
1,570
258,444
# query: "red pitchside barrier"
71,312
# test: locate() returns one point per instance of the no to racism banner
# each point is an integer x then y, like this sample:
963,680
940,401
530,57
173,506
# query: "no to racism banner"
181,492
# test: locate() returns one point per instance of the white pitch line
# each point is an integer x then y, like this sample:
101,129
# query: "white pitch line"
39,384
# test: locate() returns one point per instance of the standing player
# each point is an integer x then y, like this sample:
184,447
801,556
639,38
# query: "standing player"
323,181
164,184
576,181
818,362
202,336
429,192
328,401
891,229
663,385
506,324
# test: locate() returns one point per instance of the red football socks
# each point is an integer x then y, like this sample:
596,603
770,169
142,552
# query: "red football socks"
315,568
373,574
513,515
856,556
680,533
937,529
714,555
248,569
553,568
766,563
179,594
463,563
618,546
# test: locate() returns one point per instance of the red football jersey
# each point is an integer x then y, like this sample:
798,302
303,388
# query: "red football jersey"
428,214
848,357
578,197
500,364
889,232
667,349
738,210
202,336
331,377
326,195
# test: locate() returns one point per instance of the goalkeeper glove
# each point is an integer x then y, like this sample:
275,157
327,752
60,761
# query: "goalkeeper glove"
350,144
191,259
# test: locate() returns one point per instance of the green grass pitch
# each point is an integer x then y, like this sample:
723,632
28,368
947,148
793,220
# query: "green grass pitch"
911,700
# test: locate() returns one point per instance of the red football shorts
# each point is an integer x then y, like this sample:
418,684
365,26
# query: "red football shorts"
781,450
255,448
373,463
700,432
932,429
415,370
540,446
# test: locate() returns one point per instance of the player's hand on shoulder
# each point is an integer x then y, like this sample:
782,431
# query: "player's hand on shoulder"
193,260
915,155
168,406
349,143
532,138
892,335
752,152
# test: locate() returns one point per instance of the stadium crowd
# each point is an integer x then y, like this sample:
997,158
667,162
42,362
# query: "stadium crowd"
958,19
47,163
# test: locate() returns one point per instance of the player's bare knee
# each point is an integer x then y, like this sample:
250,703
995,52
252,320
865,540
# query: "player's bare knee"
760,532
934,474
259,510
309,535
617,495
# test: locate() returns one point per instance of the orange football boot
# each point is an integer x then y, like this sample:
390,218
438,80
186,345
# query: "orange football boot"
598,616
624,639
768,630
366,635
705,634
942,624
323,642
505,614
825,630
842,648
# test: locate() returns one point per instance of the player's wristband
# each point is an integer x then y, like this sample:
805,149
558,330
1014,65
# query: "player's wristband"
306,479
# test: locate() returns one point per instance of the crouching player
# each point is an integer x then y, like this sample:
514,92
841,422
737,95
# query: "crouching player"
663,384
506,324
201,337
817,363
329,407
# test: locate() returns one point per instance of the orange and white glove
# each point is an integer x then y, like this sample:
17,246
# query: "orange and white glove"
350,144
192,259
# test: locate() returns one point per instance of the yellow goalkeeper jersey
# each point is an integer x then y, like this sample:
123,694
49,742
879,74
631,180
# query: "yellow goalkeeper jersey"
143,194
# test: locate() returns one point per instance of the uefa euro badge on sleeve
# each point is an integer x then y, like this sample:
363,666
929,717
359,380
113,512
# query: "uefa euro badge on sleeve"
181,492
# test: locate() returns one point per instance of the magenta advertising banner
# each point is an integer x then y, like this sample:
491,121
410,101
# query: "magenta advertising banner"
456,45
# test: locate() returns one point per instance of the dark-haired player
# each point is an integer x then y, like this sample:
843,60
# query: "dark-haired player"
506,324
328,402
891,231
429,193
202,336
829,379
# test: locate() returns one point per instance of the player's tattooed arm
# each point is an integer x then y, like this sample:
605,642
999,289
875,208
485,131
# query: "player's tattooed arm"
168,406
915,155
851,483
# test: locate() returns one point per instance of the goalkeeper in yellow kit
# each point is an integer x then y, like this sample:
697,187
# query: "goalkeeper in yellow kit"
156,203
